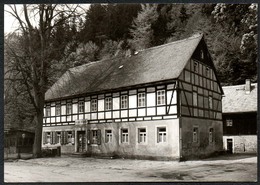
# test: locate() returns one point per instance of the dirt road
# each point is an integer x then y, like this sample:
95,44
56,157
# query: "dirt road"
67,169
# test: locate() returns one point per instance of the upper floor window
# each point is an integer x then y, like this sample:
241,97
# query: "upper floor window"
124,102
210,102
108,103
195,99
195,67
141,99
81,106
58,110
48,111
207,72
161,135
161,97
69,108
94,105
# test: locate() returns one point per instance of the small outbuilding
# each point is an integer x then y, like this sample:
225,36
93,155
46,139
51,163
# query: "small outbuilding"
240,118
18,143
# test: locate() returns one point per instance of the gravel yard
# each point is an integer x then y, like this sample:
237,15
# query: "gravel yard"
69,169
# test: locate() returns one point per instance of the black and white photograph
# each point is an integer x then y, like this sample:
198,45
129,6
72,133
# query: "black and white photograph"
131,92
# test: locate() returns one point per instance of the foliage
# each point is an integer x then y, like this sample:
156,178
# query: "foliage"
142,32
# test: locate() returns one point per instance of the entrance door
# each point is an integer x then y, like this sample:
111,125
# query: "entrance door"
81,141
229,146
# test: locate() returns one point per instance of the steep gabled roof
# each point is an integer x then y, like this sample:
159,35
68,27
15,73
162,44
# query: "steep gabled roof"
236,100
155,64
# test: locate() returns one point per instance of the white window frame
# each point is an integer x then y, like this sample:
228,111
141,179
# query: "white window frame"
81,106
211,133
108,103
48,137
196,67
58,110
195,98
124,135
94,105
124,101
141,99
195,135
161,134
142,135
108,136
69,108
58,137
161,97
210,102
48,111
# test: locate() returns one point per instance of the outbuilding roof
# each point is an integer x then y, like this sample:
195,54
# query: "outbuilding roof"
236,100
155,64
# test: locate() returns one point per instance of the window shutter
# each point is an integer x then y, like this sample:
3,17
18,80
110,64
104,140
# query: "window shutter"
99,137
51,138
65,137
88,137
73,137
62,137
44,139
55,137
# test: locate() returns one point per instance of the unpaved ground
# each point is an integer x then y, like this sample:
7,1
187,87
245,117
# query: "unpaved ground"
67,169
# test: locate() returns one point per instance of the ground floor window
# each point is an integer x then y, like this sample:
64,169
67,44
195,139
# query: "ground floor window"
195,134
161,134
211,135
94,136
124,135
48,137
108,136
70,137
141,135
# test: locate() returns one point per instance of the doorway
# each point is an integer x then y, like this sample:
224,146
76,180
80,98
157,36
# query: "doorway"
81,141
230,146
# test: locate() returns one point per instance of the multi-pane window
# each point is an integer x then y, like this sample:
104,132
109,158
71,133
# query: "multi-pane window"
48,111
229,122
124,102
141,135
94,105
210,102
48,137
58,110
211,135
70,137
108,136
195,99
207,72
94,137
161,135
141,99
108,103
58,137
195,67
69,108
124,135
195,135
81,107
161,97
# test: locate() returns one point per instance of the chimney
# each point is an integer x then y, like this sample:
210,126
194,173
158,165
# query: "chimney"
248,86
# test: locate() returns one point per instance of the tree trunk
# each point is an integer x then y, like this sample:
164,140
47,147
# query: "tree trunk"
37,146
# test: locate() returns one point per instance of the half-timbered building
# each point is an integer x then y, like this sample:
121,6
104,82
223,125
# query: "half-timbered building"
163,102
240,118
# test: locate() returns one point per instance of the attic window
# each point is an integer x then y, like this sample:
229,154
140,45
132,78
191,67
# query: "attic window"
195,66
201,54
120,67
